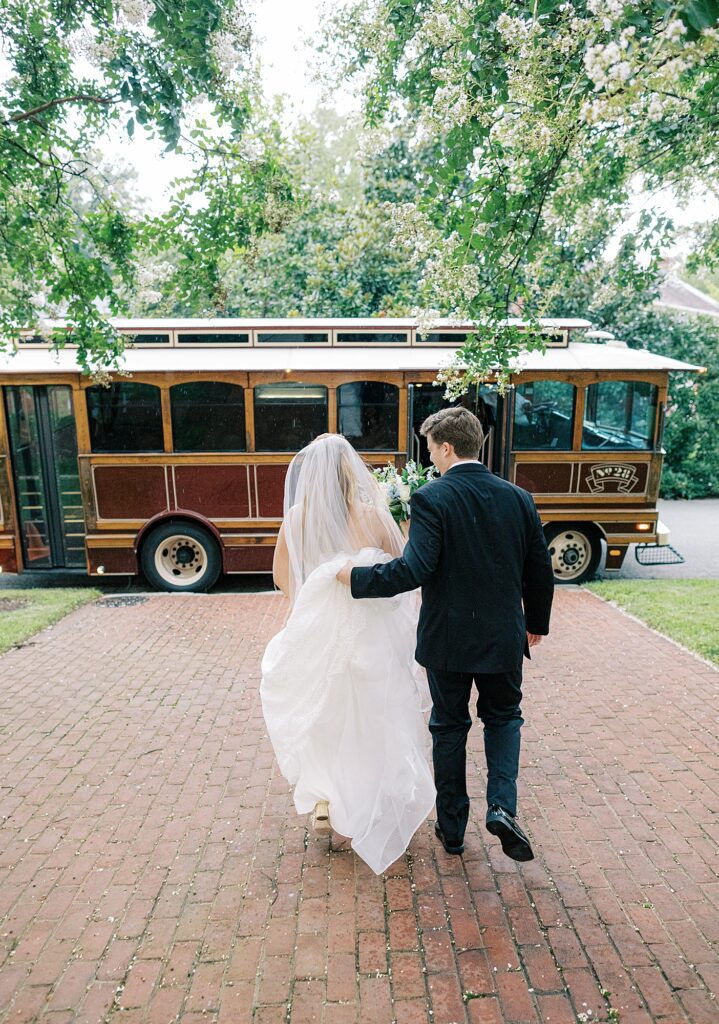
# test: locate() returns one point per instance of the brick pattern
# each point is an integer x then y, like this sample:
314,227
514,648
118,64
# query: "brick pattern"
152,868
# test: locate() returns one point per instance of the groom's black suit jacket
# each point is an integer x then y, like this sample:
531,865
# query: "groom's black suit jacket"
477,549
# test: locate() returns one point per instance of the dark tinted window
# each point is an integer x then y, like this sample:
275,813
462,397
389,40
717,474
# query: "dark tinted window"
442,339
619,414
543,415
426,399
221,338
289,416
126,417
147,339
208,416
284,338
372,337
368,415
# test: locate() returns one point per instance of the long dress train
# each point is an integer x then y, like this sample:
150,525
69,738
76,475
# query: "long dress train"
342,698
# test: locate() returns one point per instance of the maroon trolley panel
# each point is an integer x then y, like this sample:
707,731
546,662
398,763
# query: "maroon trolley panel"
130,492
216,492
270,490
249,558
544,477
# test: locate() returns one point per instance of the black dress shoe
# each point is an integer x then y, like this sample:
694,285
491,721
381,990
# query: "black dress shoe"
514,842
455,848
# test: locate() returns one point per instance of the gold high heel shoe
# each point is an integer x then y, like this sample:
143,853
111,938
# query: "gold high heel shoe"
321,818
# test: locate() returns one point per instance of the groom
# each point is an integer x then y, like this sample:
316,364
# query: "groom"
477,549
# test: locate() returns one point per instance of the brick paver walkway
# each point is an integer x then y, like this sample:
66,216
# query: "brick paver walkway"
152,868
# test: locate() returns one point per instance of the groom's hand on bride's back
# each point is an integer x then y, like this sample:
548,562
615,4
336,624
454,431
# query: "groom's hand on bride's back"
345,573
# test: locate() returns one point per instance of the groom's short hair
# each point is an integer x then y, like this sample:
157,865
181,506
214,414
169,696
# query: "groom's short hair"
456,426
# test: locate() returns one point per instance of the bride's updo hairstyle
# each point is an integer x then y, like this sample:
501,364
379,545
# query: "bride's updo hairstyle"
330,497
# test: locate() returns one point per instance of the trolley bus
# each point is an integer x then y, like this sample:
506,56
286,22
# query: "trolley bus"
176,469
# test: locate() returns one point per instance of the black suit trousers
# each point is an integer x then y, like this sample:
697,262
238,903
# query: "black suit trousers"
499,696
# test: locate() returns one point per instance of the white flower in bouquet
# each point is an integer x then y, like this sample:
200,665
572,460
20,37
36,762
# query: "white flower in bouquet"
398,487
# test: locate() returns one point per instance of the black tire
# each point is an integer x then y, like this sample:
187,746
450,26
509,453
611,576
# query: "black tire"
181,557
575,549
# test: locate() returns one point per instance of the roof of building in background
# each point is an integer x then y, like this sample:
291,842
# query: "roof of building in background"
677,294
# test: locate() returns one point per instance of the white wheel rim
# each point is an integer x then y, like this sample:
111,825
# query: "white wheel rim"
181,560
571,553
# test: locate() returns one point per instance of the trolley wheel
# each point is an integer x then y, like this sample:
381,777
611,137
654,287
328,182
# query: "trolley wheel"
180,556
575,550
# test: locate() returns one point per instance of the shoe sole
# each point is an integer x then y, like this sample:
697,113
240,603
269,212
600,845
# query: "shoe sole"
512,845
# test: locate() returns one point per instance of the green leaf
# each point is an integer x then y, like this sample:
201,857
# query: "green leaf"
700,14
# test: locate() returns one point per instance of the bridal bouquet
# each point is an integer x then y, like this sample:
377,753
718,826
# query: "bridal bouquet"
398,486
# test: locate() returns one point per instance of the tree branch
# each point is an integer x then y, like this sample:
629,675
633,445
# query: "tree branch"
77,97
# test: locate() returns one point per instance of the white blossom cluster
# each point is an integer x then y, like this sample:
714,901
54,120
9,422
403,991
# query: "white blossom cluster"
225,52
148,282
451,106
413,230
229,46
645,78
443,27
88,43
450,276
85,44
251,149
426,319
135,12
521,34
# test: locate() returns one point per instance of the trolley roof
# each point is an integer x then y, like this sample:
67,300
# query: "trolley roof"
577,356
298,323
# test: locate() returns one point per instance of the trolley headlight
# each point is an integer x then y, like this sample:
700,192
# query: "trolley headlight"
644,527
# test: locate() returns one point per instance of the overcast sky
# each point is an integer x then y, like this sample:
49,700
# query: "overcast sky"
285,37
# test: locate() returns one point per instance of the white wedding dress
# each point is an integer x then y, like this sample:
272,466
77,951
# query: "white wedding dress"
343,698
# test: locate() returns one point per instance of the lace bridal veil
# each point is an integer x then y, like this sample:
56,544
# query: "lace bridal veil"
341,693
333,505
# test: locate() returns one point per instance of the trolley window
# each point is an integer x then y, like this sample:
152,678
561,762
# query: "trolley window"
208,416
368,413
620,414
289,415
442,338
372,337
217,338
126,417
294,338
146,339
544,415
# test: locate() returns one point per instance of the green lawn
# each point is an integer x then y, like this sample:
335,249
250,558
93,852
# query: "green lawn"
685,610
38,608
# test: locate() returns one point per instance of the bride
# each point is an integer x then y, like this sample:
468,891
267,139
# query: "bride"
341,693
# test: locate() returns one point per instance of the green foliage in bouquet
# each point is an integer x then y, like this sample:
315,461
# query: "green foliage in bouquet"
398,486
